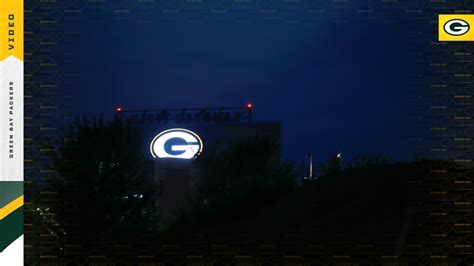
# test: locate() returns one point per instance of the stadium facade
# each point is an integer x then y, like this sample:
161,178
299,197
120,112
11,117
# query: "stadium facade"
175,137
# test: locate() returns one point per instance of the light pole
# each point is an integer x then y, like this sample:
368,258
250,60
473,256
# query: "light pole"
309,156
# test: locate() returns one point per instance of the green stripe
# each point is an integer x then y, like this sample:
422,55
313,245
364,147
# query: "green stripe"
11,228
10,190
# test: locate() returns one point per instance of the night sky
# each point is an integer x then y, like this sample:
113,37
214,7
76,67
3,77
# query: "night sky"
333,86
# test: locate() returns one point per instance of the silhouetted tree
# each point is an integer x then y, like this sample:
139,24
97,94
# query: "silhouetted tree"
360,161
237,180
332,165
105,182
246,166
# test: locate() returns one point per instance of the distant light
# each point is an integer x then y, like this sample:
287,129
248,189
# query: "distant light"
338,156
249,106
119,109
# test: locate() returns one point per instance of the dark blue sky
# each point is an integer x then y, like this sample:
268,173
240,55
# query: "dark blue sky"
334,86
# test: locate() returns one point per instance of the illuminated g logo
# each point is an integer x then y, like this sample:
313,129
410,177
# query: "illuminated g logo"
176,143
456,27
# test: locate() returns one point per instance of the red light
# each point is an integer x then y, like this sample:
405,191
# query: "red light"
249,106
118,110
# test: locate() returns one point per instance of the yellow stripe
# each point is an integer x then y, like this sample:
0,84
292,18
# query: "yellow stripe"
11,207
11,29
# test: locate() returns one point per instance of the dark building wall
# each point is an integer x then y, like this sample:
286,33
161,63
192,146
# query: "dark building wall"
175,176
175,180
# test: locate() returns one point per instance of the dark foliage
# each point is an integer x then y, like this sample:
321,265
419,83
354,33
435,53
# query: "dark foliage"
234,183
364,160
104,181
370,205
331,166
373,205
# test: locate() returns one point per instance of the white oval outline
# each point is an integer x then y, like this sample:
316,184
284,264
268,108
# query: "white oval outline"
201,145
467,24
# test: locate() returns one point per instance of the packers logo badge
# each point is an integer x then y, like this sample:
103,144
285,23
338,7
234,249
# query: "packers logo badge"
454,27
176,143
